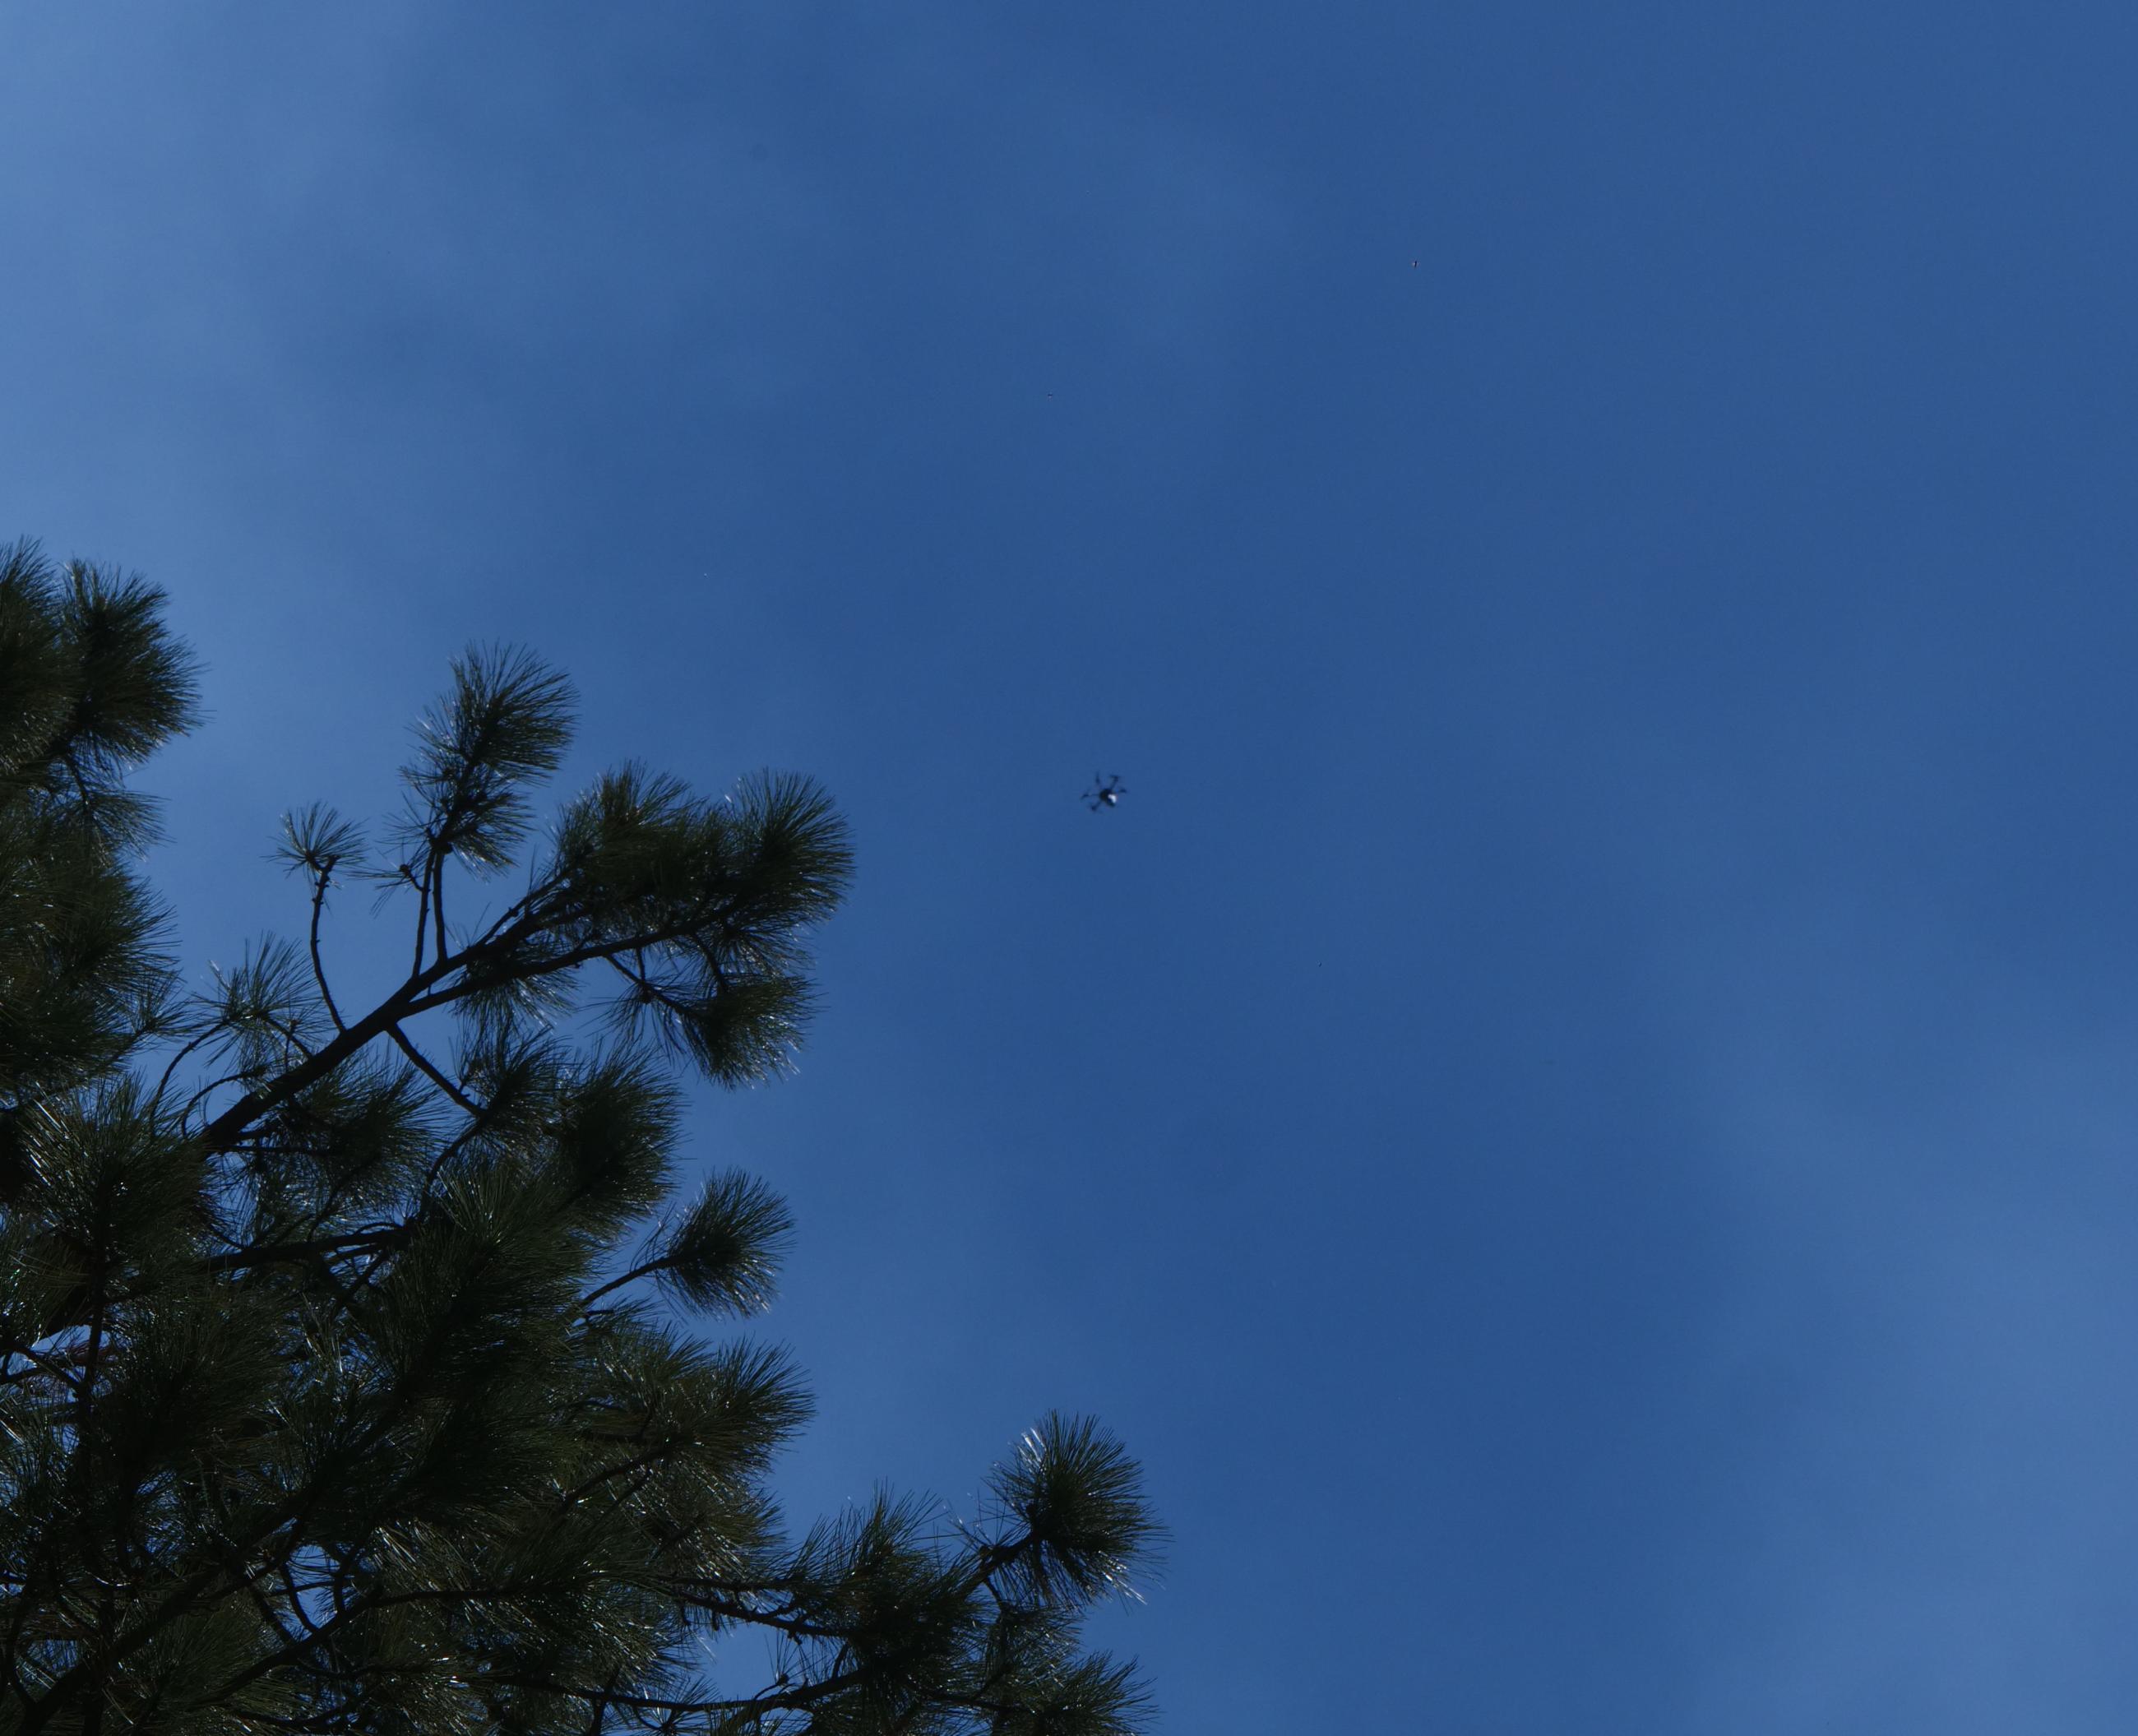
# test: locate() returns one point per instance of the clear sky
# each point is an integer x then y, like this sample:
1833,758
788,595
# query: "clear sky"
1580,1115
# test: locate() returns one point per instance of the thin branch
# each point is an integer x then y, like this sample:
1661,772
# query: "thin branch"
221,1133
318,970
466,1103
523,906
296,1596
422,914
292,1036
45,1363
636,1273
274,1253
194,1101
793,1698
438,897
157,1095
591,952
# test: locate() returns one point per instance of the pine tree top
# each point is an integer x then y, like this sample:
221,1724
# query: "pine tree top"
345,1379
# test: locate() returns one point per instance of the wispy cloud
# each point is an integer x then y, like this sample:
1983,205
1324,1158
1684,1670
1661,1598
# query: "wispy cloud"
1927,1356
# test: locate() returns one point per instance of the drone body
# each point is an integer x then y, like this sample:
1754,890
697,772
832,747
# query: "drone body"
1104,792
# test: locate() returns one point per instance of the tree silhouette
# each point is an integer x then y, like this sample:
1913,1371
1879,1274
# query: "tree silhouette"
343,1384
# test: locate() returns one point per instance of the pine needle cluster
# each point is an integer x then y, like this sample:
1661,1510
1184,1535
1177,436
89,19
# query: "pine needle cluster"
346,1379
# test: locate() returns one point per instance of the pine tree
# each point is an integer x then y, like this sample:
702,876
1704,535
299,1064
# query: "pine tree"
345,1379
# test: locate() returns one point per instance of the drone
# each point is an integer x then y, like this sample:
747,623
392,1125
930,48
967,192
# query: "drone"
1104,791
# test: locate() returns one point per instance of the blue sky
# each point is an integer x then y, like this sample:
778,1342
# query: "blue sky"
1580,1115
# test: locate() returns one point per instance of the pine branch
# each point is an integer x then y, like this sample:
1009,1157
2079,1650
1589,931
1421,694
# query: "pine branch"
272,1254
319,968
461,1098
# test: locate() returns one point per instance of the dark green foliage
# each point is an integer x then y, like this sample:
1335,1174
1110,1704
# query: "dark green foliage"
724,1253
89,681
331,1396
